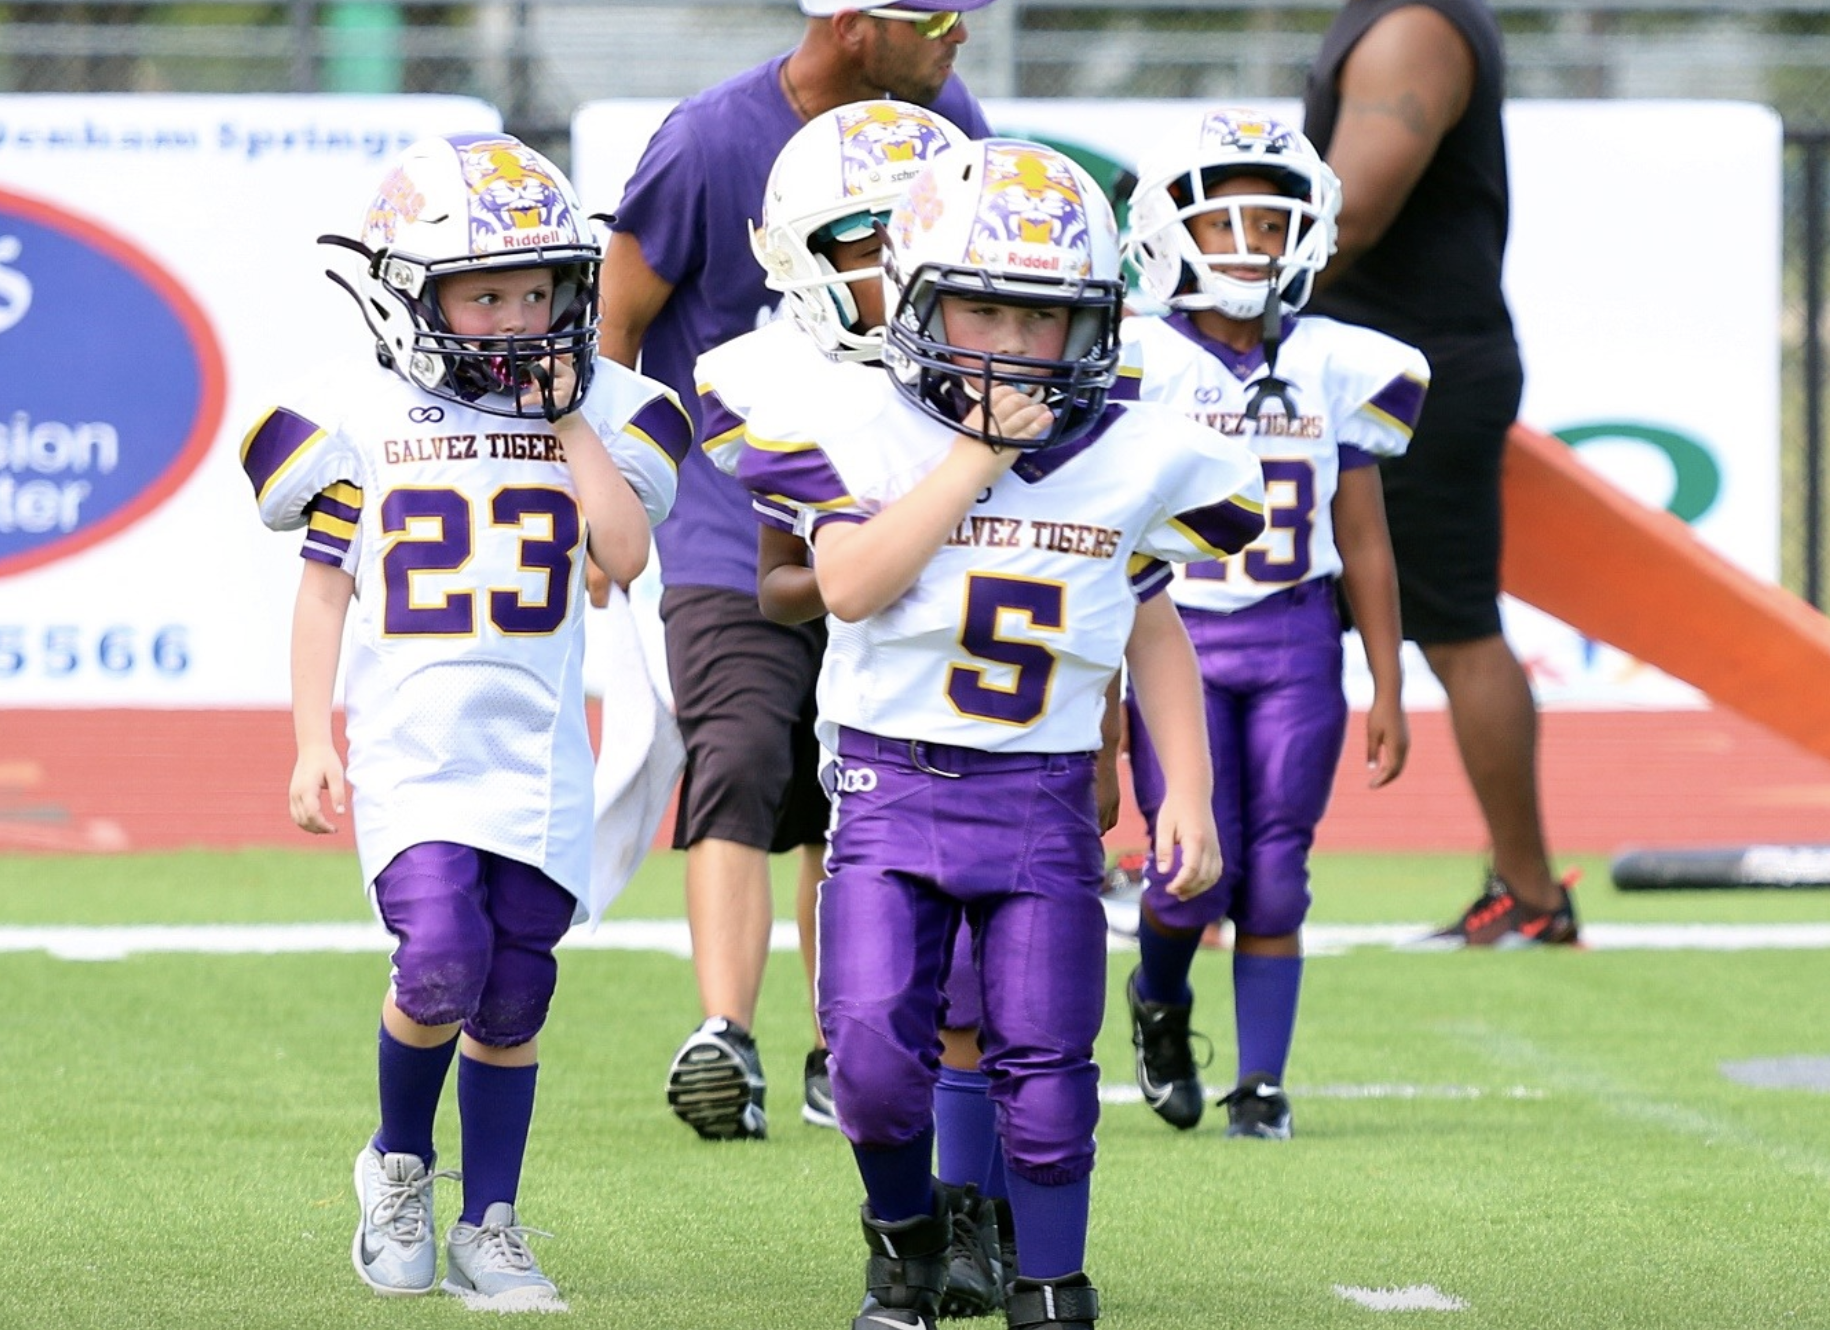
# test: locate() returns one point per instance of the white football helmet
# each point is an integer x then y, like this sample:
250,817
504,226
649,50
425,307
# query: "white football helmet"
467,203
835,180
1172,186
1021,224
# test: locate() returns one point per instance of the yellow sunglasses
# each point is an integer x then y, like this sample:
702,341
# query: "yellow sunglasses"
930,23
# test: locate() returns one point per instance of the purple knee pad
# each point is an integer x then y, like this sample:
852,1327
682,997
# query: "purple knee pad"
884,1084
476,935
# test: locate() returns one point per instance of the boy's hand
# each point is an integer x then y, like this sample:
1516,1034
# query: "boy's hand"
1388,742
316,773
1188,844
1010,414
552,383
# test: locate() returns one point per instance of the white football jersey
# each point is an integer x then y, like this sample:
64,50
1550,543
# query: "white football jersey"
462,684
776,361
1357,394
1009,637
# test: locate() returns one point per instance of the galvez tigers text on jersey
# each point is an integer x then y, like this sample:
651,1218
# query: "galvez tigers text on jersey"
465,654
1009,636
1357,394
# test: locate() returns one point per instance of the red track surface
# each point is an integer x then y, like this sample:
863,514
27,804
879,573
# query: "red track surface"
143,780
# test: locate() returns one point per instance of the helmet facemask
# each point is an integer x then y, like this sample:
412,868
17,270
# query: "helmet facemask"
833,182
1013,223
490,373
947,381
819,295
1177,187
469,204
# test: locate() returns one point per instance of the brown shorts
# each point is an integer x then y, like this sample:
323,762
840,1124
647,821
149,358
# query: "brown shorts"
743,693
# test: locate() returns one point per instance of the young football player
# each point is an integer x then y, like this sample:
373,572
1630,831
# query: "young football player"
1230,222
988,538
679,281
453,482
820,240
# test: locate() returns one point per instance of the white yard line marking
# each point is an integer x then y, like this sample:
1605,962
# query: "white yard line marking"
114,942
1129,1093
1413,1298
1566,1076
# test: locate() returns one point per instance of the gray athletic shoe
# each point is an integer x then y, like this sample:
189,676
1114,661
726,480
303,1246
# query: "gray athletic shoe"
715,1084
394,1250
816,1091
491,1259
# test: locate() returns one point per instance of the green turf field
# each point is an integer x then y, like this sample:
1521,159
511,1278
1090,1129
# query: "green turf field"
1546,1138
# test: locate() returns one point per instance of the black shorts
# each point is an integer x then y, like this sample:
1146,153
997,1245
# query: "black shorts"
1442,502
744,696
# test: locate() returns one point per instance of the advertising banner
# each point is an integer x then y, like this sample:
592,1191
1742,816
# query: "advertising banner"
160,282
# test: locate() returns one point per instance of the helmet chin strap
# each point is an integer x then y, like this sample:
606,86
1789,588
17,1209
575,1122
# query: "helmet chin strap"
542,377
1270,387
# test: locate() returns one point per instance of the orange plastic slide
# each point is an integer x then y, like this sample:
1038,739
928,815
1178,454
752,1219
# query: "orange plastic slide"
1579,548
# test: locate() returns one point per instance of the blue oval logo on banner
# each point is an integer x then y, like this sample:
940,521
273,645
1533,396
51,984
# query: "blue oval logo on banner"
111,383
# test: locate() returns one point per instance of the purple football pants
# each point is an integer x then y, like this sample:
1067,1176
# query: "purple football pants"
962,996
476,934
1276,718
926,835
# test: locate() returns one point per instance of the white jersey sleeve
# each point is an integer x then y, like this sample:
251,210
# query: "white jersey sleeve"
290,459
645,430
1376,384
777,370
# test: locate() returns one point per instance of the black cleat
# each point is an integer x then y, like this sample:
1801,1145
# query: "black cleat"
907,1269
1258,1107
975,1277
716,1086
1068,1303
1165,1063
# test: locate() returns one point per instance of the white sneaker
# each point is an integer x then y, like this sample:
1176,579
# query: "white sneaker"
492,1260
394,1251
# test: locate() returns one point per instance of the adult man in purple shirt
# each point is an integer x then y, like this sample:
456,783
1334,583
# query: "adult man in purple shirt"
678,279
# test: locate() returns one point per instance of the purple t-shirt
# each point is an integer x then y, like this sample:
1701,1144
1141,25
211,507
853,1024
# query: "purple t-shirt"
690,203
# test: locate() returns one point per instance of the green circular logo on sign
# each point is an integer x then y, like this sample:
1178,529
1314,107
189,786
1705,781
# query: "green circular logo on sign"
1697,478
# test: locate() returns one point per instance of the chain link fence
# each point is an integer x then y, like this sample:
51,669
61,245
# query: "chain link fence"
538,59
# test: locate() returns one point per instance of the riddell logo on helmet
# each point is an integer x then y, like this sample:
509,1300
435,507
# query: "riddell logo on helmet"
546,235
1018,258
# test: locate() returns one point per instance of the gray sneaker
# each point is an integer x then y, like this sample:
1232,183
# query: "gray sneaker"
816,1091
715,1084
394,1251
491,1259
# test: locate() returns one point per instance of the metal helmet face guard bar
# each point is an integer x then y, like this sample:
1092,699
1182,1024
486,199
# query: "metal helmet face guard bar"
946,381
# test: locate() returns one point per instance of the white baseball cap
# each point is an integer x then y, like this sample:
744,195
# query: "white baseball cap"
827,8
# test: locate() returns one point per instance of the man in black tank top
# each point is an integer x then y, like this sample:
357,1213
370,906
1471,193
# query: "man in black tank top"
1404,103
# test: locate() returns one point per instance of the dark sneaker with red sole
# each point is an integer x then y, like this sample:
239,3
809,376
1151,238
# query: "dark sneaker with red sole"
1500,920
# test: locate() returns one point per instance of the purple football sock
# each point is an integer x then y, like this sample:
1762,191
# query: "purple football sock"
1051,1222
411,1079
495,1106
899,1179
1164,960
1265,989
997,1180
965,1127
